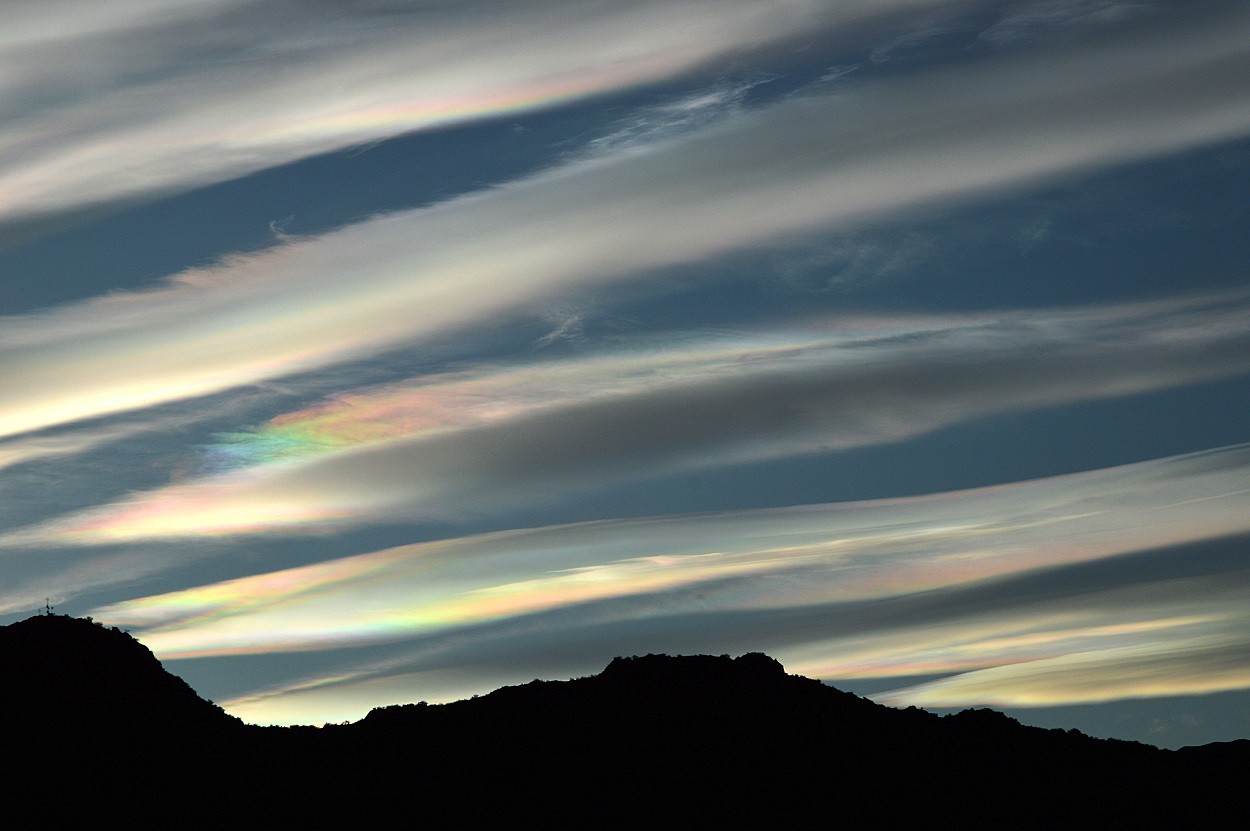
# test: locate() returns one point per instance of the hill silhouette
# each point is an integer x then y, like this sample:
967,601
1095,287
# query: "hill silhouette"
95,681
656,740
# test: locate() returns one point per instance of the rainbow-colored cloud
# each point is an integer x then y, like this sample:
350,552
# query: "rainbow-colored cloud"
754,571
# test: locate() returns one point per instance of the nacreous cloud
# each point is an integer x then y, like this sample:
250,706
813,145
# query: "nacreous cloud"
476,442
181,94
762,178
942,583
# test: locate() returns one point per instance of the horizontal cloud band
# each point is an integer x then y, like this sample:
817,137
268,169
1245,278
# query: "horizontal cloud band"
240,85
792,580
814,161
477,442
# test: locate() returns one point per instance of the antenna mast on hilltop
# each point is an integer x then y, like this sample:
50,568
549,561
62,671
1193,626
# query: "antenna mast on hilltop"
47,606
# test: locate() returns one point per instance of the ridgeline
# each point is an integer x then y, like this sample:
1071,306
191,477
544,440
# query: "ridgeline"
95,726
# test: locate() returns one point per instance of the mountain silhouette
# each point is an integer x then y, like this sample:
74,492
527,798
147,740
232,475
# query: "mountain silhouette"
95,681
655,740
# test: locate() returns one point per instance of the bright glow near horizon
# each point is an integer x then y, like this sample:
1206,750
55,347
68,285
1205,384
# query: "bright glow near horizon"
803,558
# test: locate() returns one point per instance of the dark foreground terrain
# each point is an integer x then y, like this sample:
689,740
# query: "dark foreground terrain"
95,729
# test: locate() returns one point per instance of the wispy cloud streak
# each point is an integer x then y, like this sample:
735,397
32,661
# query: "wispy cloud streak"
1182,663
771,576
151,97
814,161
475,442
28,449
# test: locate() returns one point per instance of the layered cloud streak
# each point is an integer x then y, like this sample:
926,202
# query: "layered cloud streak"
387,381
480,441
815,161
937,584
161,95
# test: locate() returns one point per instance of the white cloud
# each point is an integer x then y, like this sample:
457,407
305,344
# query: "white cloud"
473,443
758,179
870,589
149,96
1153,667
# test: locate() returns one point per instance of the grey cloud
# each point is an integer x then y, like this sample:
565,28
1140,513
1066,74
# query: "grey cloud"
837,394
893,390
1123,558
152,96
813,161
579,640
1050,17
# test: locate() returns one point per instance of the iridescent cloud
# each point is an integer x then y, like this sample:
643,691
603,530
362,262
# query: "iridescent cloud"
760,178
1183,663
935,584
26,449
428,406
472,443
156,96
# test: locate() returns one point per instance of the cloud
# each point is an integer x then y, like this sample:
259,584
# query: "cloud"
1166,666
32,576
941,583
878,638
1057,17
475,442
153,96
815,161
676,117
34,448
76,440
569,326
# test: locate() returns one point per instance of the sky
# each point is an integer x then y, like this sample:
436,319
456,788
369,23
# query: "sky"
358,353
